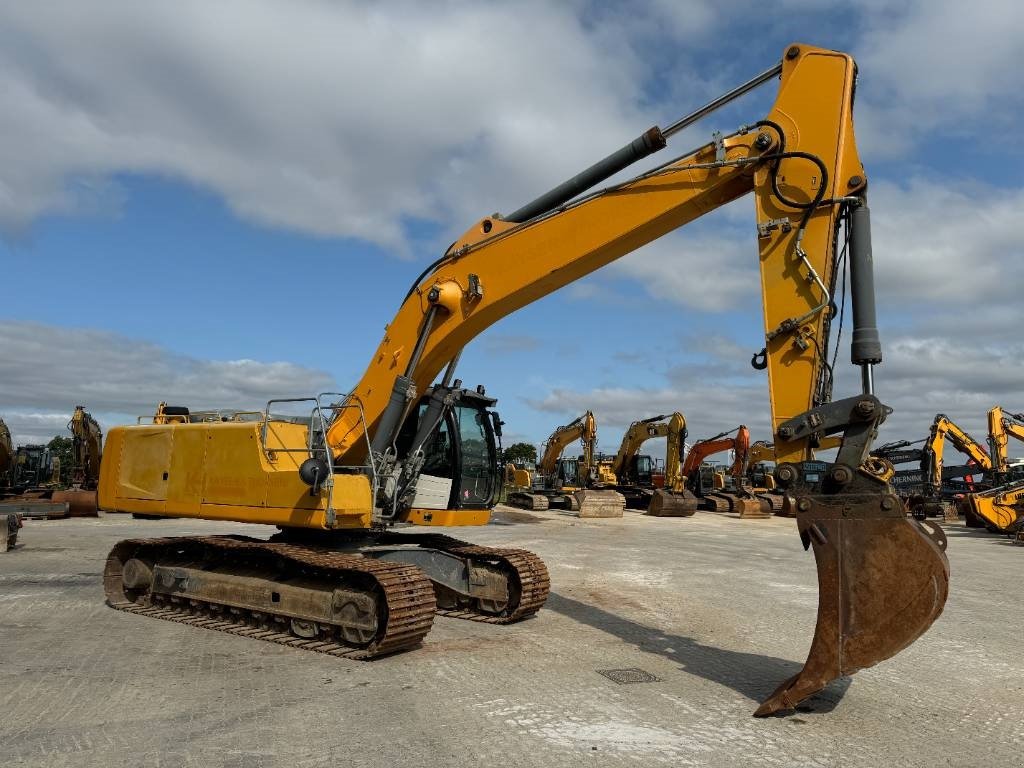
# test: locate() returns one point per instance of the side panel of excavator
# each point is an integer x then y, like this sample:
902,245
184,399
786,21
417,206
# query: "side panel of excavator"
217,471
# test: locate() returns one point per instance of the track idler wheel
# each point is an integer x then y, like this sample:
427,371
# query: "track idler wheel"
882,580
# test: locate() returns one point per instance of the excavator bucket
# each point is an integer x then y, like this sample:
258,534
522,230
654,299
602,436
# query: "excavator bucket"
596,503
751,508
882,580
80,503
672,504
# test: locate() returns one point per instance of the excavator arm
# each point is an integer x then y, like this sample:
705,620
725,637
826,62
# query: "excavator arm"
800,162
943,428
86,452
87,448
882,578
802,166
1003,425
1002,507
6,453
559,440
584,429
674,448
639,432
702,449
672,500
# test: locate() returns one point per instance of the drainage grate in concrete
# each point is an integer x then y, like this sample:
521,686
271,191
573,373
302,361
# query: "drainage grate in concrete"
631,675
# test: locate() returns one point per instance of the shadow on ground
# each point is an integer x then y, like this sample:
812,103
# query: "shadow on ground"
749,674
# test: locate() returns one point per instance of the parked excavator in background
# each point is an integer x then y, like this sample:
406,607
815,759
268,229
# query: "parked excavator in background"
565,482
86,452
32,479
6,455
761,466
933,498
913,485
633,473
732,491
10,522
1001,507
336,480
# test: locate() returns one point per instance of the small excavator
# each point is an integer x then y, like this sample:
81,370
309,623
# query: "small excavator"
6,455
86,452
933,473
410,445
564,482
10,522
672,499
33,481
1001,508
913,484
734,495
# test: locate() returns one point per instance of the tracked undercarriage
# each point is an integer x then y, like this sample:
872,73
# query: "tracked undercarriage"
346,596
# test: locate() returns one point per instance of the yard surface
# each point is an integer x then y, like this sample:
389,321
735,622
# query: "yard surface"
717,609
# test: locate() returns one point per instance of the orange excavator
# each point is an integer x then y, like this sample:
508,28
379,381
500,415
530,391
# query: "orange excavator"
730,494
409,444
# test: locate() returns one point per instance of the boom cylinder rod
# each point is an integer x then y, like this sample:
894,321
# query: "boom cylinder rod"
722,100
648,143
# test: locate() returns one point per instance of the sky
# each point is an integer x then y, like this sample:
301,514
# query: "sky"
215,204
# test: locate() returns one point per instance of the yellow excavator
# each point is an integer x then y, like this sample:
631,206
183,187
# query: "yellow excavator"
1001,507
6,455
10,522
761,466
566,482
634,477
403,447
86,452
933,472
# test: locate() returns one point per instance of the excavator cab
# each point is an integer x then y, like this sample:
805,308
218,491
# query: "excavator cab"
641,471
567,473
460,464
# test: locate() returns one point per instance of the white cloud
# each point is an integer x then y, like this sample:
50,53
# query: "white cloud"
46,371
29,427
328,118
708,272
954,241
937,64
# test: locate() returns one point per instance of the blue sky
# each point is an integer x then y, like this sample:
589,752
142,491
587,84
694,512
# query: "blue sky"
226,203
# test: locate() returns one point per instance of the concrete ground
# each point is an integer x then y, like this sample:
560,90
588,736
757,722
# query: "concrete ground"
717,609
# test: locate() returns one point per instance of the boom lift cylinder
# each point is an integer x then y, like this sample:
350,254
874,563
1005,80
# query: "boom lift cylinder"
866,347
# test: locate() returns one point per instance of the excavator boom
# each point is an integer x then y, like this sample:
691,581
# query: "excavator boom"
671,501
1002,507
882,578
86,452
